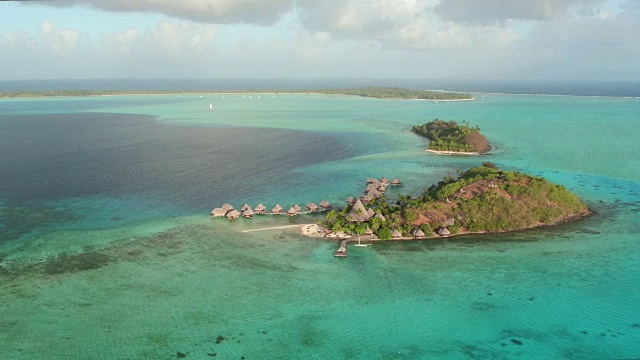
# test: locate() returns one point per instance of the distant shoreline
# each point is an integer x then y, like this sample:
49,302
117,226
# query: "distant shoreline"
367,92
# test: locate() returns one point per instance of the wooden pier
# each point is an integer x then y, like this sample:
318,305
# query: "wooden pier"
342,250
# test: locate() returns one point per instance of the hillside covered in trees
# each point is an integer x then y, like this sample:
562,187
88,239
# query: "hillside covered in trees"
451,136
481,200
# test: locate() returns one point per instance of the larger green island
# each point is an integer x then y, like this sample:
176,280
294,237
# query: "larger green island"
373,92
482,199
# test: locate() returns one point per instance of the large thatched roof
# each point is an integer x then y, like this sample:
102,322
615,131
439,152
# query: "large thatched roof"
292,211
368,231
227,207
443,231
244,207
247,213
296,207
218,212
396,234
325,204
358,212
312,206
277,208
233,214
260,207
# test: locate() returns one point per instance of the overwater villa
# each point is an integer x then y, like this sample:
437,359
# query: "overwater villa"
396,182
244,207
351,200
325,204
227,207
218,212
312,207
296,208
248,213
260,209
384,180
372,181
277,209
233,214
292,211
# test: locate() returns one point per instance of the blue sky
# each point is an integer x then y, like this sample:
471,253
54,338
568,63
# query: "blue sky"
480,39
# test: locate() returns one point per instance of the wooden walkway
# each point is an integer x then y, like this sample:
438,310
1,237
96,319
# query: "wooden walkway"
342,250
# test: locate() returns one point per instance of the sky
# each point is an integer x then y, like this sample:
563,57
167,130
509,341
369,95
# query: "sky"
426,39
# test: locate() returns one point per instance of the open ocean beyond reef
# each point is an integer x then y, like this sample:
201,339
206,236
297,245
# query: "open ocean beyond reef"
107,249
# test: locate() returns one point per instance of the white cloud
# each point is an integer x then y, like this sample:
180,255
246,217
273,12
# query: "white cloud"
61,41
499,11
206,11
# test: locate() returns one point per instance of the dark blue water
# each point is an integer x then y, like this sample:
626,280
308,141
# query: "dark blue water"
551,87
58,156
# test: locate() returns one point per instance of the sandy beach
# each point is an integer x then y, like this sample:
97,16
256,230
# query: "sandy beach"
452,152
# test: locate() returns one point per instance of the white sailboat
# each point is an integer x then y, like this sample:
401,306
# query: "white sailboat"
359,244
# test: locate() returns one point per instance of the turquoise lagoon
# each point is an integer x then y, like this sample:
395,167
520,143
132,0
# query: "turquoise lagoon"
108,252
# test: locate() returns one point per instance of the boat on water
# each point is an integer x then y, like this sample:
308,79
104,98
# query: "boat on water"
210,106
359,244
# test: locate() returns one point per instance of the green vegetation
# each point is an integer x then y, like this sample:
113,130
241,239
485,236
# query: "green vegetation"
451,136
394,93
483,199
374,92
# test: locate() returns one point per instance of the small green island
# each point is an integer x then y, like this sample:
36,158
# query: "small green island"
449,137
482,199
372,92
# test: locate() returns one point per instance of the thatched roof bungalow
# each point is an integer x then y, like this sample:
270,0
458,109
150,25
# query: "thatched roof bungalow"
384,180
443,231
227,207
372,181
312,207
260,209
277,209
351,200
358,213
375,194
325,204
292,211
418,233
395,234
366,198
368,231
218,212
245,207
233,214
248,213
296,208
396,182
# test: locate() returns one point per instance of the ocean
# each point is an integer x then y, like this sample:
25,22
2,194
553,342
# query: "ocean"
107,249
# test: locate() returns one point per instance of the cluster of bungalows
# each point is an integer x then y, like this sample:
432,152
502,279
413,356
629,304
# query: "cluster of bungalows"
374,190
246,211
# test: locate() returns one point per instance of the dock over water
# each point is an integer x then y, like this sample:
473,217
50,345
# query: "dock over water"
342,250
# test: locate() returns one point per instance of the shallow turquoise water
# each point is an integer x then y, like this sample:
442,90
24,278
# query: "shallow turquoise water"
169,279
